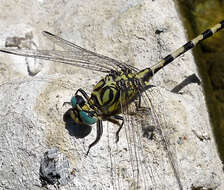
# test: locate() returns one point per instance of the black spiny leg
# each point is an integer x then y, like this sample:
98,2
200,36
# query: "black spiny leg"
99,132
65,103
114,119
83,93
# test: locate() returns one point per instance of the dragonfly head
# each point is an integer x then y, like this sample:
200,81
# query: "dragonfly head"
85,112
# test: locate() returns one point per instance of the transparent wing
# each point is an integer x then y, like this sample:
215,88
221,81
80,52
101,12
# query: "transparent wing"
163,131
64,57
74,55
151,160
81,52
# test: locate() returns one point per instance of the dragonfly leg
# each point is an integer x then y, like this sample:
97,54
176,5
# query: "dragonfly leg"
114,119
139,107
99,132
65,103
83,93
118,117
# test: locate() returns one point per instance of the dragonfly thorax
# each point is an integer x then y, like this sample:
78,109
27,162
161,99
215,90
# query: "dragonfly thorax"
115,92
111,95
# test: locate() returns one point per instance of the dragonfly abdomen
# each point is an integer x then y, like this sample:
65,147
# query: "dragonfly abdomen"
188,46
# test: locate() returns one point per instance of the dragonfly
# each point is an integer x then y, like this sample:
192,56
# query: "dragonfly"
111,96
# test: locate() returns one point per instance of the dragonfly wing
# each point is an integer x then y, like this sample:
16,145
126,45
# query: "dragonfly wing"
62,43
147,144
64,57
77,50
162,131
73,55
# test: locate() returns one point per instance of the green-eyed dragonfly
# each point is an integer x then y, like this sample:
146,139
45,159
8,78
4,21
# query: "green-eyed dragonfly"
112,95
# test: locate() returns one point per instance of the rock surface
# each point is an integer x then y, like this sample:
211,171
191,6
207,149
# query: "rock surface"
136,32
201,15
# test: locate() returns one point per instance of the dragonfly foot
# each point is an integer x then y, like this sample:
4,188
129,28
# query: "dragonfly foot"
65,103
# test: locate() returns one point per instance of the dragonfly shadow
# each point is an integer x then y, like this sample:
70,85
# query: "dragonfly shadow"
190,79
74,129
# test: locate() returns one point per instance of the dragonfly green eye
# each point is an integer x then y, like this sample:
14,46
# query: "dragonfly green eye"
77,100
86,118
74,101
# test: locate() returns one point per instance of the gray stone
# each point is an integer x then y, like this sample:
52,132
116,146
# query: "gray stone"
54,169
